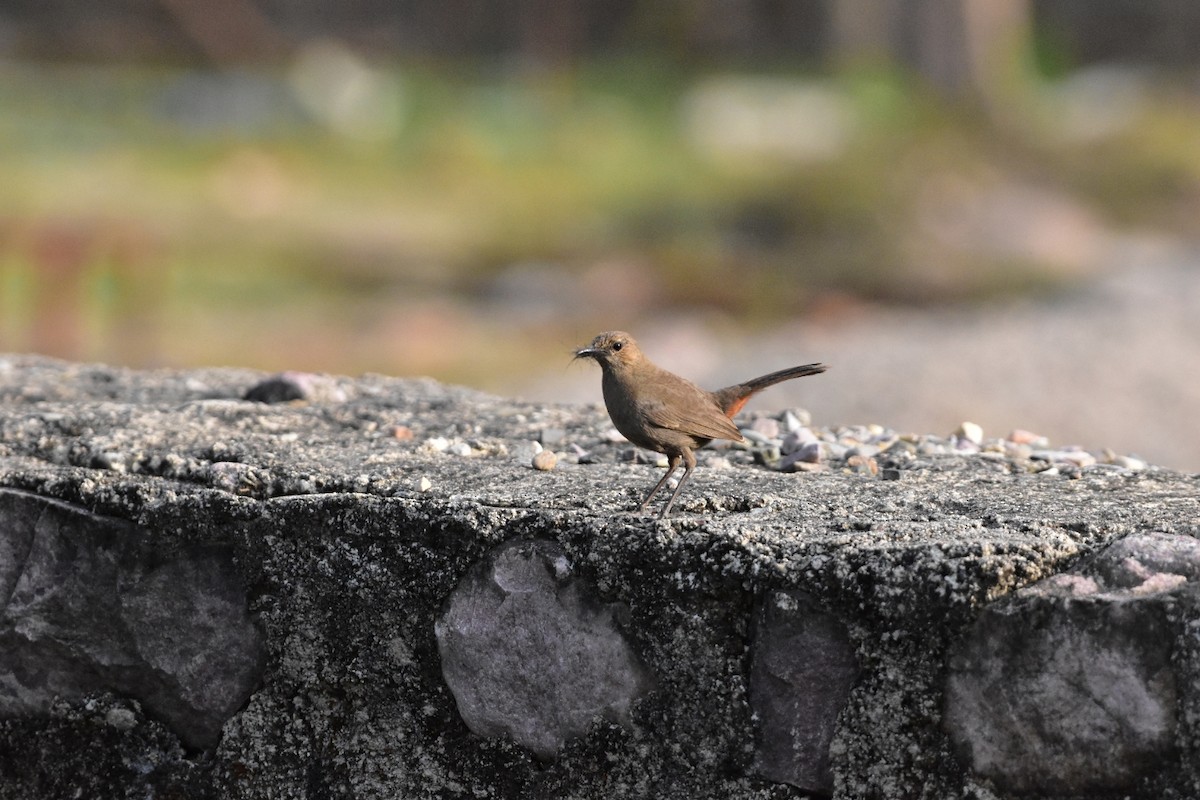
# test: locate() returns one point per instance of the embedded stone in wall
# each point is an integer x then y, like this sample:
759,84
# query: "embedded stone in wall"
803,668
1068,686
530,652
90,605
1146,563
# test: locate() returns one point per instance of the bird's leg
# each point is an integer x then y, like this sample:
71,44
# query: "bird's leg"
672,465
689,464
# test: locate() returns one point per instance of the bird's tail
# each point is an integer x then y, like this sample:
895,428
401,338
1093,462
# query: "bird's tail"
732,398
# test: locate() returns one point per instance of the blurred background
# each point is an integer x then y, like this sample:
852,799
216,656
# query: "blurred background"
980,210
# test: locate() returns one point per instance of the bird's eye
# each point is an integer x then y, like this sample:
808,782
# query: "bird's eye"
618,345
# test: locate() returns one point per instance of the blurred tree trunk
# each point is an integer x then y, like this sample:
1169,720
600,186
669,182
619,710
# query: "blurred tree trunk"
967,49
864,31
551,31
228,31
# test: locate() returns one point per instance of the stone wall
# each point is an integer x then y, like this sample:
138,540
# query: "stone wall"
360,589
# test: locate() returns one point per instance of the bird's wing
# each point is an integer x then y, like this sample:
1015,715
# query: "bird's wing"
703,419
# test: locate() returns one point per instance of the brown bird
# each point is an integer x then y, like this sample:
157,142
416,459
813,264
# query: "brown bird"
661,411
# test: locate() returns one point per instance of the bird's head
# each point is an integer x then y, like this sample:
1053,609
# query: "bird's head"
612,350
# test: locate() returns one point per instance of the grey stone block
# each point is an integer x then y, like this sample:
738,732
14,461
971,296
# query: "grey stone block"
90,605
1068,686
802,669
530,652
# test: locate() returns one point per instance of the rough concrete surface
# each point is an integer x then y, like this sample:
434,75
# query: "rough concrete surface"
214,597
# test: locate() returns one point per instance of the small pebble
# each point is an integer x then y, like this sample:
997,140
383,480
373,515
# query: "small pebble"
766,456
1022,436
551,435
835,451
425,485
899,447
523,452
1017,450
120,718
970,432
789,461
288,386
796,418
803,466
1076,458
809,454
790,443
862,451
863,464
796,439
1129,462
545,461
402,433
581,455
1080,458
754,437
766,426
459,449
614,435
438,444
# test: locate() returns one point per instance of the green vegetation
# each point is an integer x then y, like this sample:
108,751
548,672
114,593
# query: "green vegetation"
186,218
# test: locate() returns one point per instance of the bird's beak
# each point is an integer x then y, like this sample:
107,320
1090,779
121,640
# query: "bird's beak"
586,352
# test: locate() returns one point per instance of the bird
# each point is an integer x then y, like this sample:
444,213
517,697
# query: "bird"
661,411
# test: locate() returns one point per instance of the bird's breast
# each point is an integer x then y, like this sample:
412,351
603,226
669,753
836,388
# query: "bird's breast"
622,400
